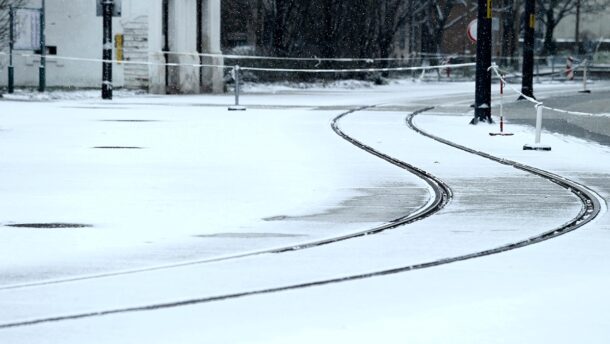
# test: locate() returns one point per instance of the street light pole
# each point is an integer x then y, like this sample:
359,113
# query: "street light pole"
11,68
482,111
527,81
577,29
42,75
107,6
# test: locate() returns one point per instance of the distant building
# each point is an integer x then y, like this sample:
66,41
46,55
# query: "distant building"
594,32
152,31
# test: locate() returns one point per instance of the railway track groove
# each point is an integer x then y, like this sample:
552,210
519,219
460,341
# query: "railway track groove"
591,208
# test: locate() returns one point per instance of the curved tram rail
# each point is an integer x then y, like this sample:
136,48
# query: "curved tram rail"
441,195
590,209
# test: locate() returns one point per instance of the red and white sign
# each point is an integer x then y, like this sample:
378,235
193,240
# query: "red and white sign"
472,31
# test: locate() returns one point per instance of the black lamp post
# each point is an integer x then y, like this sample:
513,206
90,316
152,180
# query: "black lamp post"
107,7
482,111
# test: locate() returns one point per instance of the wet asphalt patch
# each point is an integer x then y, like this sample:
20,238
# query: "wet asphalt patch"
129,120
249,235
117,147
49,225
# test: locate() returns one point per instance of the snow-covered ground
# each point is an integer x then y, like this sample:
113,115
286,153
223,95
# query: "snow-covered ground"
206,183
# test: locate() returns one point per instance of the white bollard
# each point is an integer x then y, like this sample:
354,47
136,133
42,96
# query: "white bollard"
539,109
584,78
537,145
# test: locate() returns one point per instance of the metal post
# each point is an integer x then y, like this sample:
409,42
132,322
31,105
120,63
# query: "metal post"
107,50
502,105
577,29
42,76
236,77
501,133
11,68
527,83
237,85
553,68
482,111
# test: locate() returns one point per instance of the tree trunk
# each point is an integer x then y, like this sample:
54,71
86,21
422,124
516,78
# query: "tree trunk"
549,47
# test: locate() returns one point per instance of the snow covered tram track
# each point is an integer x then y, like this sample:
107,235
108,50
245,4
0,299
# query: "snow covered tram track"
591,201
591,207
441,194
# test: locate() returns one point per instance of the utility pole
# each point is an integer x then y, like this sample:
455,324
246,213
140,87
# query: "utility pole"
527,81
482,110
577,29
11,68
42,75
107,7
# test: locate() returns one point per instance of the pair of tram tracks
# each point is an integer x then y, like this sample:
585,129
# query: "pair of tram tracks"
442,194
591,208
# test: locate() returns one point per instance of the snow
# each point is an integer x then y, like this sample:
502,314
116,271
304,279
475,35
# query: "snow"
210,183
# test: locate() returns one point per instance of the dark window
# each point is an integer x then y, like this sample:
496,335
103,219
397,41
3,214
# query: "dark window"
51,50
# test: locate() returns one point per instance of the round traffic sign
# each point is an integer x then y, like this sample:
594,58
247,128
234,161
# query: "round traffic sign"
472,31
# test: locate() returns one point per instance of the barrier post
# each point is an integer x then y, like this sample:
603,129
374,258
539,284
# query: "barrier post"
236,77
570,68
537,145
501,133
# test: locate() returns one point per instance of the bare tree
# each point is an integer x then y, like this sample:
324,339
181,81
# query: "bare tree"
509,16
4,19
434,22
553,11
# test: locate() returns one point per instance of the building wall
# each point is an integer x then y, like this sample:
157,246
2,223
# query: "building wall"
75,30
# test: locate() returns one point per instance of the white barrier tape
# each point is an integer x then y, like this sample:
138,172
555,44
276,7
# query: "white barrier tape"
355,70
315,59
67,58
358,70
417,56
495,68
576,113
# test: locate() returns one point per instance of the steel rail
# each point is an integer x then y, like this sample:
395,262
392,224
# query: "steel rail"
591,204
590,209
441,195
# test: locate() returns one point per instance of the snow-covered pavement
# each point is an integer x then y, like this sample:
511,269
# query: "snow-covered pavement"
207,183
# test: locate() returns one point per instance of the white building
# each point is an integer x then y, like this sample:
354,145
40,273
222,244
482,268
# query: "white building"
74,39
